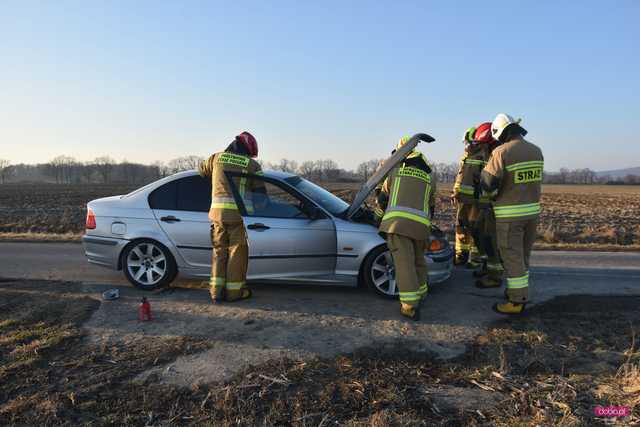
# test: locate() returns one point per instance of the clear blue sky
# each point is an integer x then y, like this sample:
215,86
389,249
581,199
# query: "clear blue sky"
152,80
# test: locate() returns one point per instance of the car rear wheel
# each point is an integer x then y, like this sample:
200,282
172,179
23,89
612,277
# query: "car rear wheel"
378,272
148,264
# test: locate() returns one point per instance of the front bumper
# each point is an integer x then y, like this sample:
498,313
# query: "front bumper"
103,251
440,265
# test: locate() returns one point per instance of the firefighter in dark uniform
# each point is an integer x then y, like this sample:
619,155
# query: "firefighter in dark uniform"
484,227
407,198
514,171
228,236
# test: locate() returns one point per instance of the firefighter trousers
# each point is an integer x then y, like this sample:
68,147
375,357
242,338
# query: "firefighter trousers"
487,239
230,259
474,218
410,267
463,231
515,241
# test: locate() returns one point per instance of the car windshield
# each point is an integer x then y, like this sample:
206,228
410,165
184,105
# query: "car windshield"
328,201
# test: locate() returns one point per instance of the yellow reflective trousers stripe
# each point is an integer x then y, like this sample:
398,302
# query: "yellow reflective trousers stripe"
224,206
409,296
518,282
464,189
234,286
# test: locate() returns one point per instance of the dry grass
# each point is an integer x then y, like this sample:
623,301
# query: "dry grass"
598,217
550,367
40,237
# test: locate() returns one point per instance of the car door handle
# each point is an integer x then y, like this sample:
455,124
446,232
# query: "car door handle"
258,226
170,218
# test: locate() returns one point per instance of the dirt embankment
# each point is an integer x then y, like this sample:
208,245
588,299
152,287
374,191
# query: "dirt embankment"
550,367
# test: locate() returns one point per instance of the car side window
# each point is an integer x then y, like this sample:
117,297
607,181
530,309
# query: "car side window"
265,198
193,194
164,197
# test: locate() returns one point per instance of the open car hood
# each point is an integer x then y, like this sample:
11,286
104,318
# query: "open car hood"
398,156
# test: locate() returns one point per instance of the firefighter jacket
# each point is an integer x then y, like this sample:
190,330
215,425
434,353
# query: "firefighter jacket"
223,204
407,197
468,177
515,171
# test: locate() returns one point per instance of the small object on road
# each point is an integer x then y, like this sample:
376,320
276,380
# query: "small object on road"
111,294
249,322
144,311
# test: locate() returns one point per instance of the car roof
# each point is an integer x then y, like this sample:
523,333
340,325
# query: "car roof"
268,173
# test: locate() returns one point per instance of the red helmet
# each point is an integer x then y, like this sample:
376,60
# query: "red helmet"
483,134
249,142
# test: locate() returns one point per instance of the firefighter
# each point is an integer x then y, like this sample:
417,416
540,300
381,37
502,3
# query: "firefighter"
471,163
228,236
407,198
515,172
484,228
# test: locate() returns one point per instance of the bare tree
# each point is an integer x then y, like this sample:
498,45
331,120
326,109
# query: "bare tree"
161,169
307,169
104,166
330,170
446,172
286,165
60,168
366,169
5,170
184,164
131,172
87,172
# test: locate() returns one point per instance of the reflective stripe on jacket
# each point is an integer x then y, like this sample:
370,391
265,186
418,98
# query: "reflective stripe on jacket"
411,197
515,170
223,204
468,176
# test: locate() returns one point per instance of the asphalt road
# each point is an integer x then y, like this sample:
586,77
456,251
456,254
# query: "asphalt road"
299,321
554,271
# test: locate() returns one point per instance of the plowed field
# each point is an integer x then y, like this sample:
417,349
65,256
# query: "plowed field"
573,215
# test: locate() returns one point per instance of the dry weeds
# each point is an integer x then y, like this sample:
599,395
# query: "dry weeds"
551,367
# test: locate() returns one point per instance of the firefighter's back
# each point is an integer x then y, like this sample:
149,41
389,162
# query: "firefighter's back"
519,195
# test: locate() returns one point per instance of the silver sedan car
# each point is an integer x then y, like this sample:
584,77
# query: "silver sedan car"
302,233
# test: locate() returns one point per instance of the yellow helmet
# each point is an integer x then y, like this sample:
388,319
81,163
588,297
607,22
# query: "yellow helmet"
402,141
468,135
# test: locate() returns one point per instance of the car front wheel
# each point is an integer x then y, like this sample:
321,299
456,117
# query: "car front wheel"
378,272
148,264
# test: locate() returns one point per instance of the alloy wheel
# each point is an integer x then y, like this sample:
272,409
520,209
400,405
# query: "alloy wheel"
146,264
383,274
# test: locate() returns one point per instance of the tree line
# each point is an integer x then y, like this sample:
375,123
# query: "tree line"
587,176
105,170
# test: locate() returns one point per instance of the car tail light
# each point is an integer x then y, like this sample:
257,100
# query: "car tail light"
435,246
91,220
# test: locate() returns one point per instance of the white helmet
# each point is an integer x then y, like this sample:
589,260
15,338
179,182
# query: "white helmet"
500,123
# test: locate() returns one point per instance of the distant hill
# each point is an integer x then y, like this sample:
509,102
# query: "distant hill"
620,173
